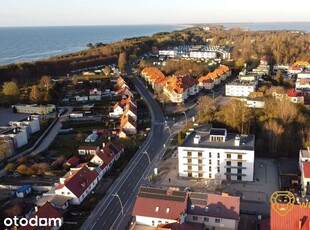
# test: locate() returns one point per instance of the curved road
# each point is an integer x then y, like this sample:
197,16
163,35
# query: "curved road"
112,209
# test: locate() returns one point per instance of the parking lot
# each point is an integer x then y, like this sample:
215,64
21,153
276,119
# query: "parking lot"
6,115
254,195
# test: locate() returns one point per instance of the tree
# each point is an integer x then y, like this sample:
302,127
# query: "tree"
45,82
15,209
273,131
5,150
10,88
90,45
22,169
10,167
239,64
279,78
122,61
205,109
35,94
107,70
143,63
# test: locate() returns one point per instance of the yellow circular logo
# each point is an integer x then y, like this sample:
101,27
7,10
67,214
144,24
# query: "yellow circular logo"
282,202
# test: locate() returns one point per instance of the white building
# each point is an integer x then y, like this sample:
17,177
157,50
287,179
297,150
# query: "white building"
18,135
202,54
77,184
238,88
213,153
168,53
303,81
34,108
31,123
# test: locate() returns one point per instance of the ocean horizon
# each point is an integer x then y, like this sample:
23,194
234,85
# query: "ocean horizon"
27,44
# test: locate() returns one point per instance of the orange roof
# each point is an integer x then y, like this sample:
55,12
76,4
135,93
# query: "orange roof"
297,218
153,73
205,79
212,75
219,71
179,84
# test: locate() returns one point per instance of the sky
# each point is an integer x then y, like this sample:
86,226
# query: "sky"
125,12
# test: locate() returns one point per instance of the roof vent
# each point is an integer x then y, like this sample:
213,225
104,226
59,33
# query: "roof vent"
192,207
237,140
197,139
207,209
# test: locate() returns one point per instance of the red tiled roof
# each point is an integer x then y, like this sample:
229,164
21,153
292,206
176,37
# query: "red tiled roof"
73,161
297,218
46,211
294,67
306,169
159,205
79,181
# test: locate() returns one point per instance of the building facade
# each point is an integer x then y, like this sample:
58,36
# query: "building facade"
216,154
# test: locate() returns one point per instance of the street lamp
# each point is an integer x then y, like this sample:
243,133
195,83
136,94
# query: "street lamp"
185,117
148,157
120,201
168,127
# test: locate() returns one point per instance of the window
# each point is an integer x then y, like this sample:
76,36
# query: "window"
218,162
239,177
189,154
228,170
199,154
239,164
210,155
210,168
228,155
200,168
195,217
189,174
210,175
189,168
199,161
218,169
206,219
153,223
228,163
218,155
228,177
239,157
217,220
189,161
239,171
167,210
210,162
200,175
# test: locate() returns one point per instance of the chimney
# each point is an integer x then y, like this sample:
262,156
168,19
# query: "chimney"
197,139
36,209
299,223
103,145
29,118
237,140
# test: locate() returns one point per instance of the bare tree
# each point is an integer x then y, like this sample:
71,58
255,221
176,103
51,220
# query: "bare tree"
273,131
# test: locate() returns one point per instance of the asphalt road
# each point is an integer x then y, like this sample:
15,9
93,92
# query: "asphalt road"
112,211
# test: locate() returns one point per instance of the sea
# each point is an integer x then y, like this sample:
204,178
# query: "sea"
26,44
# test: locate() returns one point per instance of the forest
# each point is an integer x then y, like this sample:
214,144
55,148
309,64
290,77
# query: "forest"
283,47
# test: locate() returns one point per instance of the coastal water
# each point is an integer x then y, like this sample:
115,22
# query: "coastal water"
265,26
20,44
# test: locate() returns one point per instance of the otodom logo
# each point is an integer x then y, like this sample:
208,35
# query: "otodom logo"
282,202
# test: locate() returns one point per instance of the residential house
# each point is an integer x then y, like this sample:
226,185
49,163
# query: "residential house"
154,207
72,162
263,68
239,88
303,81
95,95
296,218
131,111
215,154
47,212
124,93
77,184
57,201
128,126
206,82
23,191
88,150
213,211
106,157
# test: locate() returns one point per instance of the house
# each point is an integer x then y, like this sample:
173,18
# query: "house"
239,88
154,206
215,154
95,95
57,201
206,82
131,111
128,125
303,81
77,184
72,162
106,157
213,211
23,191
124,93
305,178
215,77
81,98
295,69
88,150
119,107
263,68
52,219
296,218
